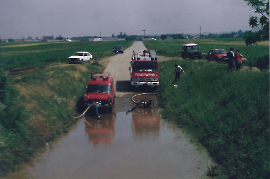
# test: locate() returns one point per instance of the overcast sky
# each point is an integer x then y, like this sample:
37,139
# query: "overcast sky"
74,18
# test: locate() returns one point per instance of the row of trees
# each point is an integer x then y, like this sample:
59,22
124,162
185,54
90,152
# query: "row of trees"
261,25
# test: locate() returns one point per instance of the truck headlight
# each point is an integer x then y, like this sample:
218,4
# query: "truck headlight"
109,99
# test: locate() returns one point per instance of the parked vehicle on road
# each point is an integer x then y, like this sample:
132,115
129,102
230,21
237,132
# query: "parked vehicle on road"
219,55
100,91
191,50
118,49
80,57
144,69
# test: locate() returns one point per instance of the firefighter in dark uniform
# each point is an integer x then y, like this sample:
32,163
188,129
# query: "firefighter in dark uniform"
231,63
178,69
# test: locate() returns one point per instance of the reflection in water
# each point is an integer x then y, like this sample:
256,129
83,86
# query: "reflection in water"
146,122
100,131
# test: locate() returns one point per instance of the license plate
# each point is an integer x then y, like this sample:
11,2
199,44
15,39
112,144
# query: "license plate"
106,105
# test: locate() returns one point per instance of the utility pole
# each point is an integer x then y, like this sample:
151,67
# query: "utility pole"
100,34
144,34
200,31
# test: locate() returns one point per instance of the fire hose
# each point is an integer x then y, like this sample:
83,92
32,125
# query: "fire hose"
144,103
94,104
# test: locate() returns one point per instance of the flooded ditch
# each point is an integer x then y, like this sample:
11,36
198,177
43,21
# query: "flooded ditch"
138,144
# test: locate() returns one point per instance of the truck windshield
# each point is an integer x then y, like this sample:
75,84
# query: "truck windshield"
98,89
117,47
145,66
220,51
192,47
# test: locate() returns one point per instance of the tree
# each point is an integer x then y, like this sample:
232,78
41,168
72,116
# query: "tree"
250,38
59,38
177,36
131,37
10,40
262,27
113,35
163,37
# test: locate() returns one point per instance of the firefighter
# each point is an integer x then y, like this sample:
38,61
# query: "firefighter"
231,62
238,60
178,69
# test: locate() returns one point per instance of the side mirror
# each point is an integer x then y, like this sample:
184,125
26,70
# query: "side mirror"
129,68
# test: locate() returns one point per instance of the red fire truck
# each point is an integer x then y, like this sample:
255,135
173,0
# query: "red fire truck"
144,69
100,90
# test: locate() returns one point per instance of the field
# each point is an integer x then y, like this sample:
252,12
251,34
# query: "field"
30,55
172,48
227,112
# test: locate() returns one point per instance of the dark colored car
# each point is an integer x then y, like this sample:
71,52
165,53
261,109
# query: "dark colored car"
100,91
219,55
118,49
191,50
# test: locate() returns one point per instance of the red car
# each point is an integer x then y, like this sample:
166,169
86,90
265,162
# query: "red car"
219,55
100,91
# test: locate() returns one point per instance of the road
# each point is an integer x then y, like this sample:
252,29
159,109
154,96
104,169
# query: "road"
139,144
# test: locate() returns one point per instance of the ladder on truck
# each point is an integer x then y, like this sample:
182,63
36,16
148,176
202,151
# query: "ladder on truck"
145,55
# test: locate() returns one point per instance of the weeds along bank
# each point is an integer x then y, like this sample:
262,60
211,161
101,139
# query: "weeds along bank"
40,106
227,112
37,106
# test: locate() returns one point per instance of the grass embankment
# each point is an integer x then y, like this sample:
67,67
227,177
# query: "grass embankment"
227,112
30,55
37,106
256,55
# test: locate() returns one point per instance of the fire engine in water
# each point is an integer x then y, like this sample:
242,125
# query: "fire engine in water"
144,69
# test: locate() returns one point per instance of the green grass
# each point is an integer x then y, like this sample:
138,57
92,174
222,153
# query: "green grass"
48,105
172,48
29,55
227,112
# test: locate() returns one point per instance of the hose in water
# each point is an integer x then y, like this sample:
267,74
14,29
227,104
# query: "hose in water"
87,110
83,112
140,95
140,103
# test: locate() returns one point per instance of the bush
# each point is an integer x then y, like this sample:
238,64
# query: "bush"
262,62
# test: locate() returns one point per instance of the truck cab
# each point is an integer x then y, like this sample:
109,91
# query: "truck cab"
100,91
144,69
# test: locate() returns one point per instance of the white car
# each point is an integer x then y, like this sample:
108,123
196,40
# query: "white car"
80,57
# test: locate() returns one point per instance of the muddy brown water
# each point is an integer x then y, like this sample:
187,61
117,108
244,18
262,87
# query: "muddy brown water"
139,144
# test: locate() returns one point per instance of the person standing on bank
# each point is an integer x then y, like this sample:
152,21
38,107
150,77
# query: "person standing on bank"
238,58
178,69
231,64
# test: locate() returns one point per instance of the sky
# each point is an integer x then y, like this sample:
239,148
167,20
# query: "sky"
78,18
